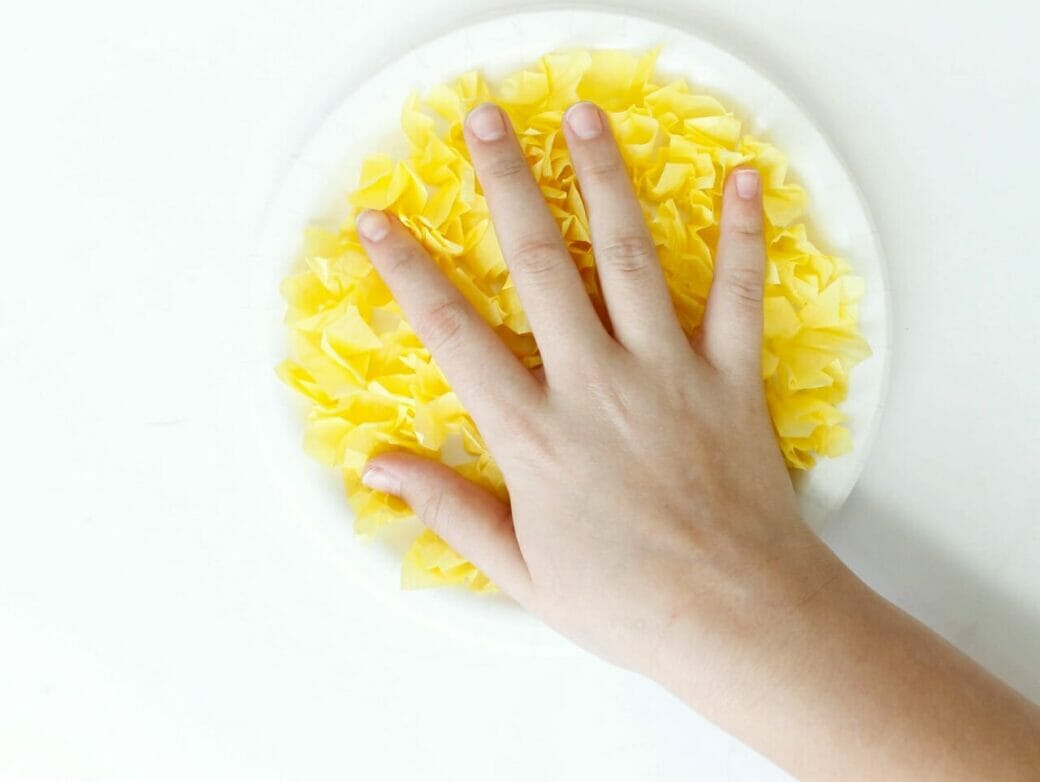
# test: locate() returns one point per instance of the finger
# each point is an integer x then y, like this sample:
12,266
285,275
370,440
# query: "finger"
630,273
487,377
732,327
550,288
471,520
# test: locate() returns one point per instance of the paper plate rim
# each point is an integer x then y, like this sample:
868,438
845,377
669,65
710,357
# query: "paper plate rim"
525,636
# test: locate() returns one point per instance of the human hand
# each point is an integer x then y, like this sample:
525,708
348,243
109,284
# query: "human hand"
651,518
646,487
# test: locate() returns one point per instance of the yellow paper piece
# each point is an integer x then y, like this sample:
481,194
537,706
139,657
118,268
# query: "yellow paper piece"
374,388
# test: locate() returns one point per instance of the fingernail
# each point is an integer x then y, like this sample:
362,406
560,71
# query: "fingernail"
585,120
378,479
486,122
373,225
747,183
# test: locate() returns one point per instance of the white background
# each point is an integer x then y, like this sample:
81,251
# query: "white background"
162,613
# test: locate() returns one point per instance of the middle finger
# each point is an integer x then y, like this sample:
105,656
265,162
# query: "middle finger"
630,274
560,312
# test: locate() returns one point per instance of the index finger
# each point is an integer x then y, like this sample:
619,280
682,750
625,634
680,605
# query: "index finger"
488,379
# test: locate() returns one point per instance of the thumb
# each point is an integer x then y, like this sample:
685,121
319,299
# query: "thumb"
470,519
732,328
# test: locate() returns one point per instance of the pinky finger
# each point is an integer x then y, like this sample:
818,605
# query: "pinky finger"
731,337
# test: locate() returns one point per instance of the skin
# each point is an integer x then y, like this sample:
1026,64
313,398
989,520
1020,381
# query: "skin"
652,519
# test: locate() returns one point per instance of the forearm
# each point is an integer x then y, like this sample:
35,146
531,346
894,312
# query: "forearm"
847,686
680,553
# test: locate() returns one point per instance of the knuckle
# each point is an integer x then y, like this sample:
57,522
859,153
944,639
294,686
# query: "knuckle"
598,360
507,166
609,398
536,256
603,169
746,222
431,512
744,285
540,449
442,325
538,445
629,253
399,258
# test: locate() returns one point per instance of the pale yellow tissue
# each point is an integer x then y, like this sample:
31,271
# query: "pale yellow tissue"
373,388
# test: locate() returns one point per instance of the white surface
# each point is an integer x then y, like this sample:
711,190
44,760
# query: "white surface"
164,616
368,120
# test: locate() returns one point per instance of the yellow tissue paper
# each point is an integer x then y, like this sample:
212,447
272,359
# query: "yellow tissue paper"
372,386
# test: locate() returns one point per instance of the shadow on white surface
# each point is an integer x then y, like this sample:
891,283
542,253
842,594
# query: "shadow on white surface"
998,627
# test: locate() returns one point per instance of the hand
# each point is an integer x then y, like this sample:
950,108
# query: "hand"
652,519
644,479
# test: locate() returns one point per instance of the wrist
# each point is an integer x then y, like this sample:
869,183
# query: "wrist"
841,684
728,642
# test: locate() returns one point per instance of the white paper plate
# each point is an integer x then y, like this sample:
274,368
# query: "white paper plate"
367,120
